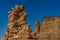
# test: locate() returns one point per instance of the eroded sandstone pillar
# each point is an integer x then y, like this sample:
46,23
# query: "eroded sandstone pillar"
17,28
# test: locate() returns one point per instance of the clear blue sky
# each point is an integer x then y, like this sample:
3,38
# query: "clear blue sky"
36,10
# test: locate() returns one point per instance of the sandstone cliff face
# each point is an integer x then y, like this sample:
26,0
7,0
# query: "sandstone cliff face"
18,29
50,29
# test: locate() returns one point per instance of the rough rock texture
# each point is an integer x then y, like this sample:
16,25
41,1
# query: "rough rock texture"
37,28
18,29
50,29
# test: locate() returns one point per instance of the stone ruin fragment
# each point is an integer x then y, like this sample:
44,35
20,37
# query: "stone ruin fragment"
19,29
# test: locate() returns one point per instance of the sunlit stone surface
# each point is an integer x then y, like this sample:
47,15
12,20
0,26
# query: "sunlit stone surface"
18,29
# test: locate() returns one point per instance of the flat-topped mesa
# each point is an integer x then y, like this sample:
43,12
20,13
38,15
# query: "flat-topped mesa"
51,18
49,29
50,24
37,28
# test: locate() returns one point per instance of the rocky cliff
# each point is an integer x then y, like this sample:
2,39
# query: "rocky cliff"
18,29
